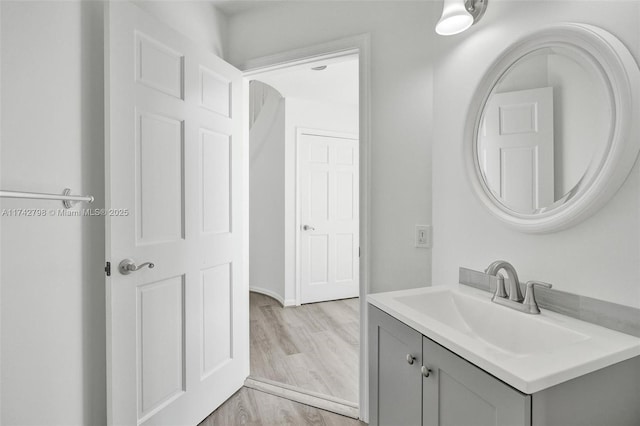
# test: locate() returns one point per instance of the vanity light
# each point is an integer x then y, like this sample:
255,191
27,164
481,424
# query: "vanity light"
458,15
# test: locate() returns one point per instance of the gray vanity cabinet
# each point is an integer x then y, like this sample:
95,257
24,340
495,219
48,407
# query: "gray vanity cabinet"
456,392
395,382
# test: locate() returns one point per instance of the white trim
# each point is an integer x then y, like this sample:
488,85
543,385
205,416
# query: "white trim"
266,292
325,133
328,59
337,49
0,227
246,283
303,396
298,223
340,48
614,159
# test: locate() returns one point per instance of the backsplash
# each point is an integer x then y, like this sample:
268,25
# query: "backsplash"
624,319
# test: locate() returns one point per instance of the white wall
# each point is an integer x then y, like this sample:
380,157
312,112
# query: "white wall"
596,258
306,114
402,50
266,196
198,20
52,313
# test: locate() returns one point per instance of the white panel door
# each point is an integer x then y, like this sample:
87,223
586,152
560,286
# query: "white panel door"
516,148
178,332
328,190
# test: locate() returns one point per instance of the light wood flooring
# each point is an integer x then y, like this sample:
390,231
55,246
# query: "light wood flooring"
313,346
254,408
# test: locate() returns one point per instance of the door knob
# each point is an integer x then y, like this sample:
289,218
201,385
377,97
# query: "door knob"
308,228
128,266
426,371
410,359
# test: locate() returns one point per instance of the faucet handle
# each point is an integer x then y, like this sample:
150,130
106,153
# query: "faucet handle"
501,291
530,296
530,284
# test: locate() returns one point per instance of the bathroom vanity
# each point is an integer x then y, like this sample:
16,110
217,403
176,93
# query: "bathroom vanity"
448,356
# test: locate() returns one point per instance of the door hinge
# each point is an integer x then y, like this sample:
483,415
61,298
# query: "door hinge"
107,269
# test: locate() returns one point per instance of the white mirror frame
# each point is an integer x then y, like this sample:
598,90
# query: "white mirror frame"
618,154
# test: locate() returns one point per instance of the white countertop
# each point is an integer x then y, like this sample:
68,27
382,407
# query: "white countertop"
529,352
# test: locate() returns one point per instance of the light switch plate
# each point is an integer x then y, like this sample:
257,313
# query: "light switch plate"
424,236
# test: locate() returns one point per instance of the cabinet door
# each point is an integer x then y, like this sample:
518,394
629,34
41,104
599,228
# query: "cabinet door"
457,393
395,383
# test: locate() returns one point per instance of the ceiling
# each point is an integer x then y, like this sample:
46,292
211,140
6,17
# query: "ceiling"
338,83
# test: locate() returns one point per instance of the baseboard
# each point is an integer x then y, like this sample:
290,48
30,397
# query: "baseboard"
289,302
303,396
269,293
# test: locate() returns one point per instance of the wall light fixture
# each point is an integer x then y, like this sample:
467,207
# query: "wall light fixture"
458,15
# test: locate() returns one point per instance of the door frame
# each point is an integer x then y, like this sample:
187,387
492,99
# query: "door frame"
359,45
298,223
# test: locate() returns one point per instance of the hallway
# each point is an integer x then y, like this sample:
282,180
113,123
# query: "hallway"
313,346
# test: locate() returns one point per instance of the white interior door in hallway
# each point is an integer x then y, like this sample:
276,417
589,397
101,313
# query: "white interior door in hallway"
178,332
328,194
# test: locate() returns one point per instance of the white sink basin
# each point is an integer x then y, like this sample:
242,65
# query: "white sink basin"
530,352
506,329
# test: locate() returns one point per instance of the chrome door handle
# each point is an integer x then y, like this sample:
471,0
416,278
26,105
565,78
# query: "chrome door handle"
308,228
425,371
128,266
410,359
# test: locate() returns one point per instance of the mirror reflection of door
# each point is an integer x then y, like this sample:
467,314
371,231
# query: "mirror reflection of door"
517,148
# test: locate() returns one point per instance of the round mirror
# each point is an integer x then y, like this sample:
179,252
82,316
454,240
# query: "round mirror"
552,131
540,128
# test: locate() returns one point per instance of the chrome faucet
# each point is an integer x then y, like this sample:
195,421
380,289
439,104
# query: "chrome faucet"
515,300
514,285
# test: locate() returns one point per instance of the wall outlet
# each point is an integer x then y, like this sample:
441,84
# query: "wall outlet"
423,236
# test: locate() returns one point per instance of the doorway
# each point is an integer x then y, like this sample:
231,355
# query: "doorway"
309,140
